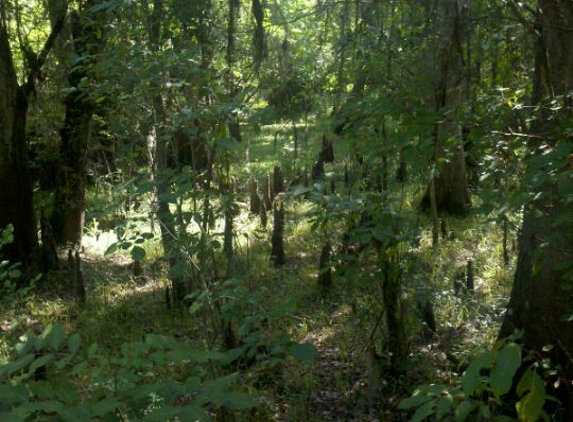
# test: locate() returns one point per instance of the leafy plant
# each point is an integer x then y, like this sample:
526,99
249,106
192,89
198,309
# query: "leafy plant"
54,376
10,272
258,341
483,391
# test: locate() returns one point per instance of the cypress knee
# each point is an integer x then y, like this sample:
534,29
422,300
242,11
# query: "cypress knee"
470,276
267,194
458,282
278,182
277,252
255,204
327,152
318,170
402,172
80,286
167,298
263,215
49,250
426,309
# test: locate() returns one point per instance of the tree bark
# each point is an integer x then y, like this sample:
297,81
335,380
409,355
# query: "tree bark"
70,196
539,304
451,184
16,190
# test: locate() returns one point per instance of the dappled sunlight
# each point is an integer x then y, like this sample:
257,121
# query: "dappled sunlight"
286,211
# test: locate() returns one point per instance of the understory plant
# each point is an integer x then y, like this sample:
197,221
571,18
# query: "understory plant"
499,385
156,379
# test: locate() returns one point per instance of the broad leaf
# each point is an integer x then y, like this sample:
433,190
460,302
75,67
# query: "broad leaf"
508,361
303,352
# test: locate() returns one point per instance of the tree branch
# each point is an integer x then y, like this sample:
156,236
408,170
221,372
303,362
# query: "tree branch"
35,68
530,26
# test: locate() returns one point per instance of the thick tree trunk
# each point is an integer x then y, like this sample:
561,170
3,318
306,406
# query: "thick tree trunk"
70,201
16,190
451,184
16,193
540,303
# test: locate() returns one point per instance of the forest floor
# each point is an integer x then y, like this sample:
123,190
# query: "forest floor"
351,378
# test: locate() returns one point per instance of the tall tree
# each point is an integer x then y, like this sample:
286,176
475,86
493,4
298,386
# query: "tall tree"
450,184
539,304
16,190
69,205
159,146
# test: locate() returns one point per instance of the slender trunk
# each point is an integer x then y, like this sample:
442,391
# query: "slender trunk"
391,291
227,191
232,24
160,158
434,210
505,245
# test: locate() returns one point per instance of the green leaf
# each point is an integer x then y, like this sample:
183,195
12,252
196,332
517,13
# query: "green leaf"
111,248
444,406
301,190
53,336
107,406
13,395
17,365
414,401
530,407
423,412
14,273
303,352
239,401
10,417
138,253
464,409
41,361
472,377
508,361
74,342
65,392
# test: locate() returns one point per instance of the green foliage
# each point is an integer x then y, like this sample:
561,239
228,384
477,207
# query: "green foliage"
259,337
132,242
81,383
10,273
292,97
481,393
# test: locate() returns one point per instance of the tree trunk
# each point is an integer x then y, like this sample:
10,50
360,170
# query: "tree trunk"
70,195
539,303
451,184
255,200
277,241
16,190
159,152
392,291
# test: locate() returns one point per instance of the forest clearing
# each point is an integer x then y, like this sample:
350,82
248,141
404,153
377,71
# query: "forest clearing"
303,211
